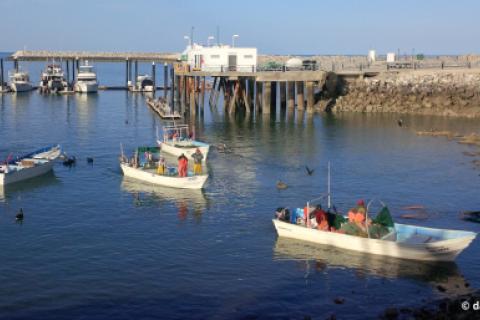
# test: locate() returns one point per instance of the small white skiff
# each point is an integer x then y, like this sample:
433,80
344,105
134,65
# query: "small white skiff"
409,242
177,140
174,181
29,166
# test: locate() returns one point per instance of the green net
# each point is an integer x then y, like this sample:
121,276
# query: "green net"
384,218
148,149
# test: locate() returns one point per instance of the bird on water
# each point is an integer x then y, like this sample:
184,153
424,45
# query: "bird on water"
19,215
281,185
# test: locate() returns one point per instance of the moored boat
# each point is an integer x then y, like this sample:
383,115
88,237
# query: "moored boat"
144,168
20,81
30,165
178,140
86,79
143,83
163,109
52,80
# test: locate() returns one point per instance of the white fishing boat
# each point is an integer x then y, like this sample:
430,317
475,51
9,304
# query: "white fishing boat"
30,165
86,79
178,140
52,80
20,81
405,242
144,83
163,109
380,235
145,169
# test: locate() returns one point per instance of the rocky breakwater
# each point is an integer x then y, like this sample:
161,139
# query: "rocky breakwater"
441,92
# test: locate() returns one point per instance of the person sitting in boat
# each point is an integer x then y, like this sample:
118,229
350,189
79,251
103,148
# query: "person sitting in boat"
321,219
357,214
182,165
162,166
197,161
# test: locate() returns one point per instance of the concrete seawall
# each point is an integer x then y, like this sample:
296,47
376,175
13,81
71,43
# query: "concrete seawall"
453,92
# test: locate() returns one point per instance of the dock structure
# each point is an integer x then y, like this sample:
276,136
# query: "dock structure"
250,92
247,91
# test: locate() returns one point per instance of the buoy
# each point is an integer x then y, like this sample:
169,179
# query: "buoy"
400,122
90,160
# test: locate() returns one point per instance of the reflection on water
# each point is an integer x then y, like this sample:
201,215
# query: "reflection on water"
324,257
18,188
185,200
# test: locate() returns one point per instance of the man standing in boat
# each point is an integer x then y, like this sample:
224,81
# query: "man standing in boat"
182,166
197,161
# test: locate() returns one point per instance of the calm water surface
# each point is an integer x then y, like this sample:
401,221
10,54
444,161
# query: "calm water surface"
97,246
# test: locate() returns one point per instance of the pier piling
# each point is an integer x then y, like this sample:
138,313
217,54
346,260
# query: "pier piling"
273,96
266,97
1,75
154,76
136,73
310,97
127,72
291,94
300,96
258,96
283,95
165,80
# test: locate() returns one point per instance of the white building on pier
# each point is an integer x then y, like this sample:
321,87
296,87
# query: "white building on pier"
219,58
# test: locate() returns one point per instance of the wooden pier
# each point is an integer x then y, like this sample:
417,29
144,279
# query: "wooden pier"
246,92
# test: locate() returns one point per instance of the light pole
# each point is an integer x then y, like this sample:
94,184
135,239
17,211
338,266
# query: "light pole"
233,39
208,40
188,39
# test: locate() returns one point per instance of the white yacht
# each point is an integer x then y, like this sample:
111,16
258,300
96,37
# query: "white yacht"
52,79
144,83
86,79
20,81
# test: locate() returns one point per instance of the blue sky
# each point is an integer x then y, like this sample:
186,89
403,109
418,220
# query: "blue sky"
274,27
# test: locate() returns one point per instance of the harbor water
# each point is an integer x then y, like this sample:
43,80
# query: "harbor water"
94,245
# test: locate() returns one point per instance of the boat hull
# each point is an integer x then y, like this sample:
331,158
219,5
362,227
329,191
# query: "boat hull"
26,173
21,87
193,182
187,151
83,87
444,250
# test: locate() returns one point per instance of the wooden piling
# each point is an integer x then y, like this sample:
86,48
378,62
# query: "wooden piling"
266,97
258,96
154,76
136,73
127,72
213,92
192,97
165,80
283,95
291,95
310,97
202,95
68,72
300,97
2,79
273,92
251,93
174,91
